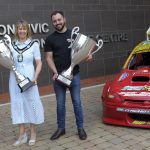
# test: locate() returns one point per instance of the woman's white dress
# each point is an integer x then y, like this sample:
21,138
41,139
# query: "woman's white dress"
26,107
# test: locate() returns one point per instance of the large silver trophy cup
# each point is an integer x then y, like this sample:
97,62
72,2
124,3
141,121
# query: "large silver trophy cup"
6,60
81,47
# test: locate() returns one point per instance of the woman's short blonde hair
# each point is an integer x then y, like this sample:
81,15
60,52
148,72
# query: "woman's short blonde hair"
24,24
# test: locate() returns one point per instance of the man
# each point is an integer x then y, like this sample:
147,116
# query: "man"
58,57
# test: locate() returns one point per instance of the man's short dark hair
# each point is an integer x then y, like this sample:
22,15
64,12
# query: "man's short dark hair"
57,12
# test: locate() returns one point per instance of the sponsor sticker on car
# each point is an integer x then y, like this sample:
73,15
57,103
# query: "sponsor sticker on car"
133,88
123,76
147,88
133,110
135,94
137,122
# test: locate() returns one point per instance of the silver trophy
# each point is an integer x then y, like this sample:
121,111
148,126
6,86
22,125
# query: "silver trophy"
81,47
6,60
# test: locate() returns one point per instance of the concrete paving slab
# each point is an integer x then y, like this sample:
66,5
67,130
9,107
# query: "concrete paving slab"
100,136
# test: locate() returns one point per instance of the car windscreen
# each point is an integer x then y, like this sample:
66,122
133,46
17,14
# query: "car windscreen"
139,60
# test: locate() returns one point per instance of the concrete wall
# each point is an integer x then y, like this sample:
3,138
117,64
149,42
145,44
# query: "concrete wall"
121,23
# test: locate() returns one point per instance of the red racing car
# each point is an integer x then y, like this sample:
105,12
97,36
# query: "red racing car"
126,99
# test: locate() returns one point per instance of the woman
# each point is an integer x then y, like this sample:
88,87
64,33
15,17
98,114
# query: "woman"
26,107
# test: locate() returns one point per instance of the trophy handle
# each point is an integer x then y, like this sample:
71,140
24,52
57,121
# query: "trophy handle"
75,31
99,45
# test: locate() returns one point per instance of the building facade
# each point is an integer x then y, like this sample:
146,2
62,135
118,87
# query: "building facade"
120,23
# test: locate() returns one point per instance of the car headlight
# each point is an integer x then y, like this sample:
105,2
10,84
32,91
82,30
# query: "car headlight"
111,96
114,97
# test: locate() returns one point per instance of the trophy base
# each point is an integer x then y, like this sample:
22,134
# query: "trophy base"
25,84
64,80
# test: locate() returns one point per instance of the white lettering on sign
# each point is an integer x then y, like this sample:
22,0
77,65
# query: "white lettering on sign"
35,28
39,28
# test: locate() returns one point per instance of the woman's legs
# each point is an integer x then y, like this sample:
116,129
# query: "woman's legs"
32,131
21,130
22,136
32,134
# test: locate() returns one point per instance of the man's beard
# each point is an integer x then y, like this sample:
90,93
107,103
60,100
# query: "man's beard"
60,29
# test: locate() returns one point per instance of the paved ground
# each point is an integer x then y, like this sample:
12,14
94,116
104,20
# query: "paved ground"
100,136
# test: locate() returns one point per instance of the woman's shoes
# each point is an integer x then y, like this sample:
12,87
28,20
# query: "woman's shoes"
21,140
32,141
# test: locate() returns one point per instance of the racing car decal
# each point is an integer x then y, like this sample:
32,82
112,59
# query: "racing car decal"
123,76
137,122
133,88
147,88
135,94
133,110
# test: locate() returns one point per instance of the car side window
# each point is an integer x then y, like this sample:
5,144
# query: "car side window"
132,63
135,61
